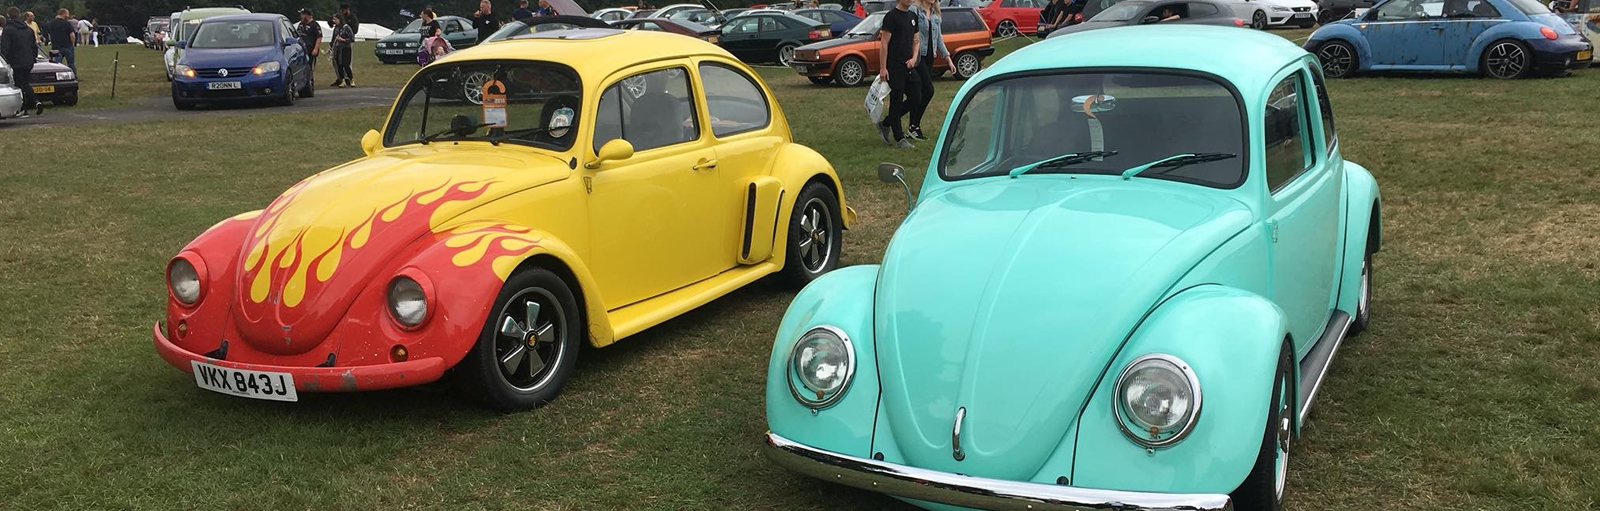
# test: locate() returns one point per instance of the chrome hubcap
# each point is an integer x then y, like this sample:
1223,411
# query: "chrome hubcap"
968,66
1008,29
1506,60
1336,59
786,54
816,243
1285,433
528,343
472,87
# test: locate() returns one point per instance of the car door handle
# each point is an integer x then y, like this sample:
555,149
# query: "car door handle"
1437,26
705,164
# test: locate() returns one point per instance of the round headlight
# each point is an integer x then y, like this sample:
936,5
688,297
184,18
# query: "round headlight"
820,366
407,303
1157,400
184,281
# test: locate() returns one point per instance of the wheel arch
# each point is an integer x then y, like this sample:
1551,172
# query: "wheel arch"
1348,35
1363,226
1502,32
554,255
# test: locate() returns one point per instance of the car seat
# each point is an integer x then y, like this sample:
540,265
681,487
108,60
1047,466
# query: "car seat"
653,121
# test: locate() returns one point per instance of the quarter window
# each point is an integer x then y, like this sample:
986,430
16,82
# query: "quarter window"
734,100
1325,107
744,26
649,110
1201,10
1286,155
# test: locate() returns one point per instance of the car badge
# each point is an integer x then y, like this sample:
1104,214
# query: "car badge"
222,73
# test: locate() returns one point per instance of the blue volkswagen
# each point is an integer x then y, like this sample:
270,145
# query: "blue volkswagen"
241,58
1497,38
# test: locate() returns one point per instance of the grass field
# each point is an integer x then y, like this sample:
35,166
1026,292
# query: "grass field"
1474,388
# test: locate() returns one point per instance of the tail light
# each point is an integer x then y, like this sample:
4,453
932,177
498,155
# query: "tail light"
823,33
1238,22
1548,32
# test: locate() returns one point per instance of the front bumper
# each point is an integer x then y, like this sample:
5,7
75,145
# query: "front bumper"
251,86
58,90
10,101
1276,18
318,379
812,68
974,492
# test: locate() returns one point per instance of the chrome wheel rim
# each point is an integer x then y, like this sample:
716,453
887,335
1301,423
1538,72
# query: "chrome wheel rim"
1336,59
786,55
1008,29
1366,290
1259,20
528,333
636,86
850,72
816,238
472,87
1285,434
967,65
1506,60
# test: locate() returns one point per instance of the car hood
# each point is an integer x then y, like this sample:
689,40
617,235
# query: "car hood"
397,37
45,66
1010,297
323,241
230,57
834,43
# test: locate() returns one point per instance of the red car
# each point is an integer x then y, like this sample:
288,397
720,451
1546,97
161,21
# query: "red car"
1012,17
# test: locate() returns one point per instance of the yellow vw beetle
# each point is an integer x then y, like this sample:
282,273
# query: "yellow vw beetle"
523,197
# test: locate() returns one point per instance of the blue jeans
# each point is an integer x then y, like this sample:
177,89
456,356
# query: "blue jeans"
69,57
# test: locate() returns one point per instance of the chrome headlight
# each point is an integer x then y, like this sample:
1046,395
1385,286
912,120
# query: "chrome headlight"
63,76
1157,400
413,45
183,70
267,67
184,281
407,303
820,366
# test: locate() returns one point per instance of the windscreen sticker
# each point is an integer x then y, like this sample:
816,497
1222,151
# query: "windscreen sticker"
494,104
560,121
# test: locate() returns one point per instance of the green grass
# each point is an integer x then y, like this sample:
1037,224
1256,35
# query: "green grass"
1475,388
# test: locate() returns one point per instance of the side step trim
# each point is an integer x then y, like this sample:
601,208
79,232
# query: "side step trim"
1314,368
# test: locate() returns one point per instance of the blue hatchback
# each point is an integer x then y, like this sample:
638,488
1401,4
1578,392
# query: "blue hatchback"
240,58
1497,38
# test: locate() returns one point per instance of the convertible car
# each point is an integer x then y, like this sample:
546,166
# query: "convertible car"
1504,39
610,180
1122,285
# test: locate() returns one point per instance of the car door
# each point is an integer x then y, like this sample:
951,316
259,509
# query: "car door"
739,114
1402,33
739,36
1465,21
773,32
1303,208
458,35
295,55
655,218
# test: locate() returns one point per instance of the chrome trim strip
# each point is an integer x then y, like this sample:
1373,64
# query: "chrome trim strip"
1344,328
955,435
974,492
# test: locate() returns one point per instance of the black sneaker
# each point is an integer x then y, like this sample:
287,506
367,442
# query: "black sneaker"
887,133
916,133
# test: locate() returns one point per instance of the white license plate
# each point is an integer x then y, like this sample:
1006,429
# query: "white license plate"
1302,15
223,85
242,383
800,68
394,52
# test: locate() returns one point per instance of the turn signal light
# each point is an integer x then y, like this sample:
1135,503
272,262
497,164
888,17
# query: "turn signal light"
398,353
183,329
1238,22
1548,32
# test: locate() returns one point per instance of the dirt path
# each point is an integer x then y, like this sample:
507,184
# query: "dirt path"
160,109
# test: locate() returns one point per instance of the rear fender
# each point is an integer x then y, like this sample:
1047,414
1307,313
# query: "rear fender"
1342,32
1362,226
795,167
1515,30
1231,339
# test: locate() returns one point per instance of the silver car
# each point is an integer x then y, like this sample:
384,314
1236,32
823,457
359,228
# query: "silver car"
10,95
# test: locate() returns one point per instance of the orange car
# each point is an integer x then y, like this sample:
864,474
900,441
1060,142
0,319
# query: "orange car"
853,58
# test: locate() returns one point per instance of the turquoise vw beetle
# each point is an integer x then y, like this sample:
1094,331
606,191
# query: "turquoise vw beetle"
1134,256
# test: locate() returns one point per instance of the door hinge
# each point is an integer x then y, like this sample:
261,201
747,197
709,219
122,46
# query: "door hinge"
1274,226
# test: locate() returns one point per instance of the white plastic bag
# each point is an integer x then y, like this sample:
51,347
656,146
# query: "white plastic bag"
875,96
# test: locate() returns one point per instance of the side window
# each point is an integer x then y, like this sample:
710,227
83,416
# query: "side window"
734,100
1399,10
1284,130
453,26
1470,9
961,20
1325,107
743,26
1008,3
768,24
1201,10
649,110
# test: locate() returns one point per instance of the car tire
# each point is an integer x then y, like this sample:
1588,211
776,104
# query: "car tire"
967,64
1263,489
786,53
1325,17
1006,28
1338,59
1258,20
288,98
850,72
1364,300
310,90
815,235
820,80
1506,59
553,335
1308,24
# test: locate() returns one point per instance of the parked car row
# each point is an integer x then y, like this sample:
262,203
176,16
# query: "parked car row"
855,57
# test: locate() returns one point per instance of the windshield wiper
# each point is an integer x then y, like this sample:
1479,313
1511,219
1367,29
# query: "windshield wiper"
1061,161
496,140
1176,161
452,130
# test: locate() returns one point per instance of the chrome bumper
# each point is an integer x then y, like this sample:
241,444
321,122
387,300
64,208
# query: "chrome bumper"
973,492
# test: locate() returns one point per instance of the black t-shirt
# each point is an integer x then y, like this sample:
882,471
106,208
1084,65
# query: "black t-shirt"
309,32
61,32
428,28
522,13
486,25
902,27
351,21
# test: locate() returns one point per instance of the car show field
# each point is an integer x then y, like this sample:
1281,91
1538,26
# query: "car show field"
1471,389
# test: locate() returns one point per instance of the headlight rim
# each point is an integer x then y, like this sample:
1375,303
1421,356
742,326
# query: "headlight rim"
196,264
849,370
1121,416
425,286
262,69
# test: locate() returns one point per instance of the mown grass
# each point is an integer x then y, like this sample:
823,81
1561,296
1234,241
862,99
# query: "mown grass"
1474,388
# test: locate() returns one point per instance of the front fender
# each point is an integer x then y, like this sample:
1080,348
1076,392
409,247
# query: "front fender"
1362,226
1231,339
794,167
842,298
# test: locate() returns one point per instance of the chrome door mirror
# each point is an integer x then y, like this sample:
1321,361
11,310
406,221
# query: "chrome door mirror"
889,173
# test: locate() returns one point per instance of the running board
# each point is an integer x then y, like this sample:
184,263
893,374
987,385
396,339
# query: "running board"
1314,367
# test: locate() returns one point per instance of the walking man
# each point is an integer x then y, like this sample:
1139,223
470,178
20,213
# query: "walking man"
19,46
900,41
63,33
342,36
350,20
484,21
310,34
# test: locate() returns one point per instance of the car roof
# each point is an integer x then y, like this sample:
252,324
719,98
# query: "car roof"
207,12
1247,58
248,17
596,54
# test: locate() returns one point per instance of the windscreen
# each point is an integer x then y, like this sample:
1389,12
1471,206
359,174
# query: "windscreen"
446,103
233,34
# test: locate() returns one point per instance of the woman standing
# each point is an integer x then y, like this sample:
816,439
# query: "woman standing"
930,27
342,36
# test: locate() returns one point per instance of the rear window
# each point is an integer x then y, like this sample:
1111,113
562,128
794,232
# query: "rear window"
1530,7
962,20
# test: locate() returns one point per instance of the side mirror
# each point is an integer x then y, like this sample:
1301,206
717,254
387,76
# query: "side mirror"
289,41
889,173
615,150
183,44
371,141
1149,19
